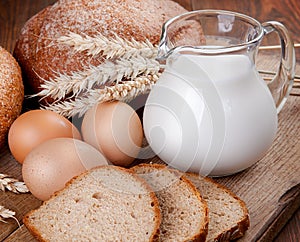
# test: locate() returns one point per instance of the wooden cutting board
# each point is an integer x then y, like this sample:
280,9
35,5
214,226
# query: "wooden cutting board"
270,188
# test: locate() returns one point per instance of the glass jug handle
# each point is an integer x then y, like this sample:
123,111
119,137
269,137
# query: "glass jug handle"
282,83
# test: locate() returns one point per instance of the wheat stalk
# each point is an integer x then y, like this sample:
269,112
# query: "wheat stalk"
11,184
124,91
129,70
110,48
7,213
106,73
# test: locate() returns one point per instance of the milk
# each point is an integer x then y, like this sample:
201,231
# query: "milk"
210,114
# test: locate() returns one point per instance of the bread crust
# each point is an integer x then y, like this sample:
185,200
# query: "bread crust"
34,232
11,93
25,49
155,235
201,235
242,226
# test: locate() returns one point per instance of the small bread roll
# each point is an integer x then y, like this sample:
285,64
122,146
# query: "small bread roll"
11,92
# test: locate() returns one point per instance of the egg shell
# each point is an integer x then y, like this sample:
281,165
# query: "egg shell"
36,126
115,129
50,165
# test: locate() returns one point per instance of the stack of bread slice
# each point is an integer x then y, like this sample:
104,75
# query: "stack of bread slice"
184,212
148,202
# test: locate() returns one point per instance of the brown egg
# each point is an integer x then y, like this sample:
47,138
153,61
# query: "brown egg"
115,129
36,126
50,165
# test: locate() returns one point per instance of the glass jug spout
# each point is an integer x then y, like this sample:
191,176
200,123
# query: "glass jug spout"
181,32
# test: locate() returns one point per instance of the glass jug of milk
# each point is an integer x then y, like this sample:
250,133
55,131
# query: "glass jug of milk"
210,111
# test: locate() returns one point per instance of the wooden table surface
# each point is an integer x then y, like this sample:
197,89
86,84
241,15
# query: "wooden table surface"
13,15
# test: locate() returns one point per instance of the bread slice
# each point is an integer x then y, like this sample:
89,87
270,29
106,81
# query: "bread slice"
228,215
184,213
107,203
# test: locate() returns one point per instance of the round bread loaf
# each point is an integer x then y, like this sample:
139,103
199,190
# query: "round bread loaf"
11,92
41,56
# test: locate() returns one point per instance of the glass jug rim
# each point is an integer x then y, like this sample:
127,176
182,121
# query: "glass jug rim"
163,53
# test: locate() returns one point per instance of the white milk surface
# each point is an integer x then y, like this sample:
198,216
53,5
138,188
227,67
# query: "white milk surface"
210,114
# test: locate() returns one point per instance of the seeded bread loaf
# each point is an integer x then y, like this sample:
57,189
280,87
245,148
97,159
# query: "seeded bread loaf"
184,213
42,57
11,92
108,203
228,215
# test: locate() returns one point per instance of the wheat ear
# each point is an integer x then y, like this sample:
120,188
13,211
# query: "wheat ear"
12,184
124,91
106,73
110,48
7,213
